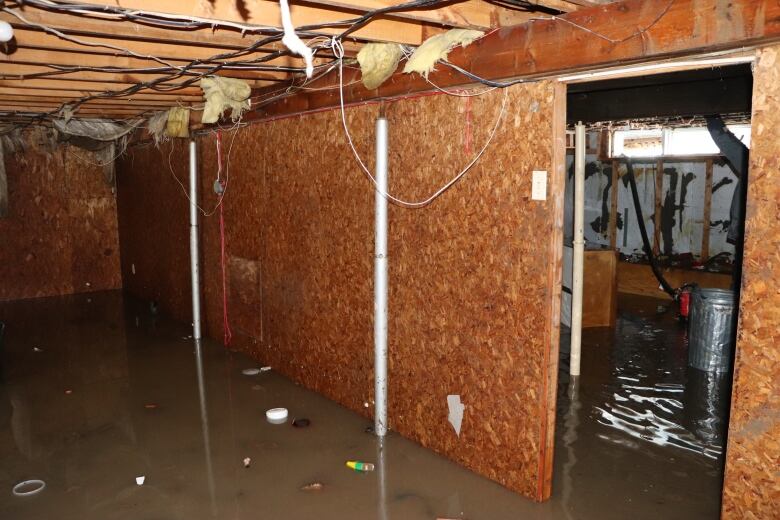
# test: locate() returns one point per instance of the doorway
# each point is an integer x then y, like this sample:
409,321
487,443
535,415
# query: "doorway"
641,428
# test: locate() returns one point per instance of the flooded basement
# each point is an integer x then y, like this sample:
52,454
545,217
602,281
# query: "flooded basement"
97,392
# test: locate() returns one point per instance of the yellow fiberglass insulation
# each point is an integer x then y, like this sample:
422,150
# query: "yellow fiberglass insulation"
223,93
377,62
437,47
178,124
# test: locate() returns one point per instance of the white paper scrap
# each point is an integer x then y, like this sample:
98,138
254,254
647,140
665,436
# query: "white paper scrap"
456,412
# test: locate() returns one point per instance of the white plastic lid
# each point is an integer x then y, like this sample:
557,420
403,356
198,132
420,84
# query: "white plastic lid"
276,414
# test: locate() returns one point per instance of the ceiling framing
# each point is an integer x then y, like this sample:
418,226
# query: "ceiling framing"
60,54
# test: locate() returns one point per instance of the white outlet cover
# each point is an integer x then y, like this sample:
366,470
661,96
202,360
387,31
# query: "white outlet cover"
539,185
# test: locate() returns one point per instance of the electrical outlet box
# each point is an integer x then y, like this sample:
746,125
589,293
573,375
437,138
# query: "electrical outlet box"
539,185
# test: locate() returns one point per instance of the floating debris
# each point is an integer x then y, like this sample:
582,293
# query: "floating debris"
247,462
360,466
140,480
301,423
314,486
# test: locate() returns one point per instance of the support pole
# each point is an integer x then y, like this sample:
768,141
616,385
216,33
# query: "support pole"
194,269
380,281
579,249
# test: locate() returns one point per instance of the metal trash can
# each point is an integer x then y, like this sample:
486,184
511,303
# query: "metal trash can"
711,329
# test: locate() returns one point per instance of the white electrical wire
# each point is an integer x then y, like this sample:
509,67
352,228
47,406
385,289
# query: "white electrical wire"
460,93
87,43
233,129
338,50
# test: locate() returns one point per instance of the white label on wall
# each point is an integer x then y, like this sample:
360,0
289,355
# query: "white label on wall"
539,185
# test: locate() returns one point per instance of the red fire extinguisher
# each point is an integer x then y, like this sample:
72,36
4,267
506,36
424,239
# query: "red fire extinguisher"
684,300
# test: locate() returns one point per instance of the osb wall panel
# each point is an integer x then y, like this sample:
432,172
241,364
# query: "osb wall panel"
470,291
154,226
60,234
752,480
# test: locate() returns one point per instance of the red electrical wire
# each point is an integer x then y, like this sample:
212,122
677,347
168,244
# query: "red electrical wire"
225,322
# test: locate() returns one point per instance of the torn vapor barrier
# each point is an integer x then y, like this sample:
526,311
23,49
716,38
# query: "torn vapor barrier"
107,139
156,126
682,208
377,62
437,48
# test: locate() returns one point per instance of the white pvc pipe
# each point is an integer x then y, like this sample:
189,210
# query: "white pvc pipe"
194,268
579,249
380,281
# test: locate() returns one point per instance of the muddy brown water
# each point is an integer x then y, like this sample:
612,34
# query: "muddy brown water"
113,393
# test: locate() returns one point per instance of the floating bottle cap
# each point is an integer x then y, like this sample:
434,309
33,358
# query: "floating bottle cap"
276,415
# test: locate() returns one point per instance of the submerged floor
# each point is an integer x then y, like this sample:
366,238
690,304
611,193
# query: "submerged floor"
96,391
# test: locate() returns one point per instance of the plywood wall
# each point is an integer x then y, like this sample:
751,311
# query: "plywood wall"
60,233
752,480
473,292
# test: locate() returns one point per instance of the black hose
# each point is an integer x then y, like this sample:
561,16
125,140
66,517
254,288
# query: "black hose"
643,231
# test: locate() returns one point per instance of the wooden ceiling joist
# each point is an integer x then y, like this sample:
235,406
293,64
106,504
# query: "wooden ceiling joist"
33,39
71,59
124,34
94,51
472,14
87,86
64,95
266,13
12,71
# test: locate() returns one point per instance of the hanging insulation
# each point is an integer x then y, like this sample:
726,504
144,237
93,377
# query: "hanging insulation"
437,48
377,62
223,93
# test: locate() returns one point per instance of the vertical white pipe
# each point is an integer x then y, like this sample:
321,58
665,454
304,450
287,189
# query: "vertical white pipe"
579,249
380,281
194,268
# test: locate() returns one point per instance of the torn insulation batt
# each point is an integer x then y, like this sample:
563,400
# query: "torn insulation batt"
437,47
223,93
377,62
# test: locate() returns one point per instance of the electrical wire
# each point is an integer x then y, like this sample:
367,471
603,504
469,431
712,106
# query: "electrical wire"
339,50
233,129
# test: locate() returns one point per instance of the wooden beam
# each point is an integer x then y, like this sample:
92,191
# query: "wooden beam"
266,13
47,109
475,14
621,33
613,205
29,41
563,5
659,190
15,71
72,59
705,231
88,86
61,94
121,33
21,99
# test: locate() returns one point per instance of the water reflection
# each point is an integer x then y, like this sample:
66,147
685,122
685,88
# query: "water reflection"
204,425
652,396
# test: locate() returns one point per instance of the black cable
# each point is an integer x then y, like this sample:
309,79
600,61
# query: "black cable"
643,231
